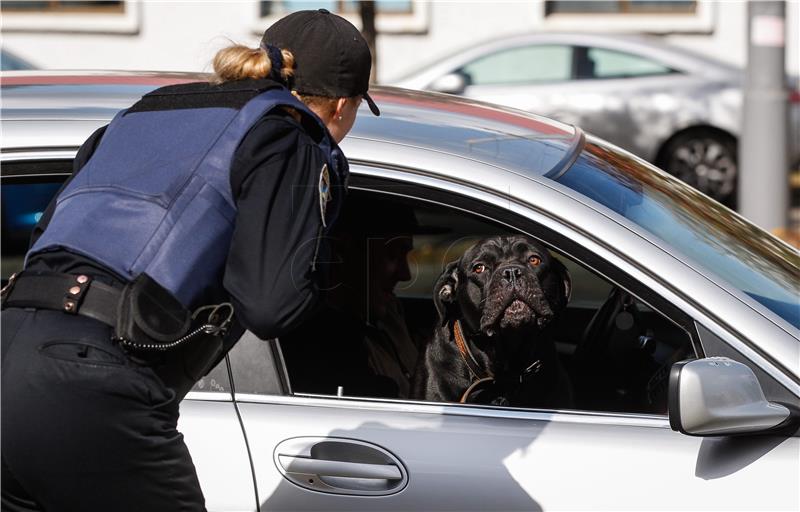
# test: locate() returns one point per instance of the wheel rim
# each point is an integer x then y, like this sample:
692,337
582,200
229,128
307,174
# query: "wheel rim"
706,164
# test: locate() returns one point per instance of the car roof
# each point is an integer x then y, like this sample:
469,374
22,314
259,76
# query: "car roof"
494,135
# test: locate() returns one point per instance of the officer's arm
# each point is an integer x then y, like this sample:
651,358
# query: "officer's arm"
84,153
270,269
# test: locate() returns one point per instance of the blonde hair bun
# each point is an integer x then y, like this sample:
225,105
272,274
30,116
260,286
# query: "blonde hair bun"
239,62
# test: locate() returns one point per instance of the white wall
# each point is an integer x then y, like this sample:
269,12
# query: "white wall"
183,35
167,35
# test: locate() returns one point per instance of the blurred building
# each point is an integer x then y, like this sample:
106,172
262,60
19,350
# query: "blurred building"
183,35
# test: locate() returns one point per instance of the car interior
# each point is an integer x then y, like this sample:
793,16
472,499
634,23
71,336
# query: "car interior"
617,349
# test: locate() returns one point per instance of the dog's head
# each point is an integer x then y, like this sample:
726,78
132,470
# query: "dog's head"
503,284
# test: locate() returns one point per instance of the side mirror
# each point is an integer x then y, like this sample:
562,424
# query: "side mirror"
718,396
451,83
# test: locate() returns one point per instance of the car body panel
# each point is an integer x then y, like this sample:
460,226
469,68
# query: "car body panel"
526,460
638,116
211,429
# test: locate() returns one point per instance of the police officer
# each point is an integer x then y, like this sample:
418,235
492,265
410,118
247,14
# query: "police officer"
209,198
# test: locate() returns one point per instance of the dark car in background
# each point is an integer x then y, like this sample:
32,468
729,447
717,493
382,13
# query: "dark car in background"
675,108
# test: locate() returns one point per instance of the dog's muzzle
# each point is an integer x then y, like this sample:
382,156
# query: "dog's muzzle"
515,299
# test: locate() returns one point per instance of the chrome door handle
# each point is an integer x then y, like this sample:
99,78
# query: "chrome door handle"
320,467
339,465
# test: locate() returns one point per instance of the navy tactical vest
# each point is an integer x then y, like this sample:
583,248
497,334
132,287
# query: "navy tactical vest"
155,197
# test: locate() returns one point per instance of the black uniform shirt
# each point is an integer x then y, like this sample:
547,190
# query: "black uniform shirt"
270,271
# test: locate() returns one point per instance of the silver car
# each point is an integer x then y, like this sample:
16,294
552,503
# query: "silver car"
681,339
676,109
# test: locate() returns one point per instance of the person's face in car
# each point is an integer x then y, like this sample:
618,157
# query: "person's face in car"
388,265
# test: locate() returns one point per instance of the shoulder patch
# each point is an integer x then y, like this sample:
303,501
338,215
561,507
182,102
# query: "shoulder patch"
325,193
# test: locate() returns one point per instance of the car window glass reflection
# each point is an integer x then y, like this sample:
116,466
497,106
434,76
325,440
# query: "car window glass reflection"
740,253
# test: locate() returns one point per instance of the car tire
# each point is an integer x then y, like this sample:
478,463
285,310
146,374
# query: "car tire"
705,159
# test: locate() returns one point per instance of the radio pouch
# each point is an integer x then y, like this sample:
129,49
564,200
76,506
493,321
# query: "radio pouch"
149,315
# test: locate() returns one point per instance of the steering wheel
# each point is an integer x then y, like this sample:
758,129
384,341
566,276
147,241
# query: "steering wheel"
610,367
596,337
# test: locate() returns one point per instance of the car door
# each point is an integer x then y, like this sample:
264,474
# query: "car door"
342,452
208,421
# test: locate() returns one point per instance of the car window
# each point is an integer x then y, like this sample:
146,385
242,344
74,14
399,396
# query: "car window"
23,203
522,65
255,365
603,63
27,188
613,350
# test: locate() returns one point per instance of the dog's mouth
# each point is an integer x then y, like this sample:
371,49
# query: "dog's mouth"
514,313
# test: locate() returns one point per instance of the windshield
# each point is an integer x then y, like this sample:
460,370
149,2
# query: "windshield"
698,227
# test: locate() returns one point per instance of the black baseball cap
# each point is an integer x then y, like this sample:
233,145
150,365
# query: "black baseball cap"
332,59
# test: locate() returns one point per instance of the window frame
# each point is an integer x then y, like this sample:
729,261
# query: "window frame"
123,20
701,21
416,22
60,7
558,241
624,9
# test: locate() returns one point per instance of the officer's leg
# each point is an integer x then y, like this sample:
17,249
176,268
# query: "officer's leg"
13,496
85,429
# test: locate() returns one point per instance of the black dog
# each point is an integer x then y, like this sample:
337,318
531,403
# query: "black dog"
491,344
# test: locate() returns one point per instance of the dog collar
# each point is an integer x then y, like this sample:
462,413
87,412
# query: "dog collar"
475,370
463,349
475,386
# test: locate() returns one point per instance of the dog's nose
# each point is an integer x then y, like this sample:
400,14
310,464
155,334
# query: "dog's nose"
511,274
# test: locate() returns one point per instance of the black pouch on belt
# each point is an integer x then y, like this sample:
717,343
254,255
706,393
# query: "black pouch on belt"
149,315
152,322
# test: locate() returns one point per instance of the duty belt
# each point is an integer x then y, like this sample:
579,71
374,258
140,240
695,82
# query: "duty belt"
78,294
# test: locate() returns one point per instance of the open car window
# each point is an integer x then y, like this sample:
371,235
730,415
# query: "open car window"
613,348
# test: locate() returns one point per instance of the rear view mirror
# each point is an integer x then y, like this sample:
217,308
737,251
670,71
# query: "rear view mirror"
452,83
719,396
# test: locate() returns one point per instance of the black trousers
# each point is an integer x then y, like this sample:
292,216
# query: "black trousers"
83,426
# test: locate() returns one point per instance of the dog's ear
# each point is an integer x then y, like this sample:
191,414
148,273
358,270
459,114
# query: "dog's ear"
444,292
565,280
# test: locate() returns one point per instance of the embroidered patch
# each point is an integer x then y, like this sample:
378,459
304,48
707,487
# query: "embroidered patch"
325,194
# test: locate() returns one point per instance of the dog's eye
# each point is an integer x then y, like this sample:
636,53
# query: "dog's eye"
535,261
479,268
